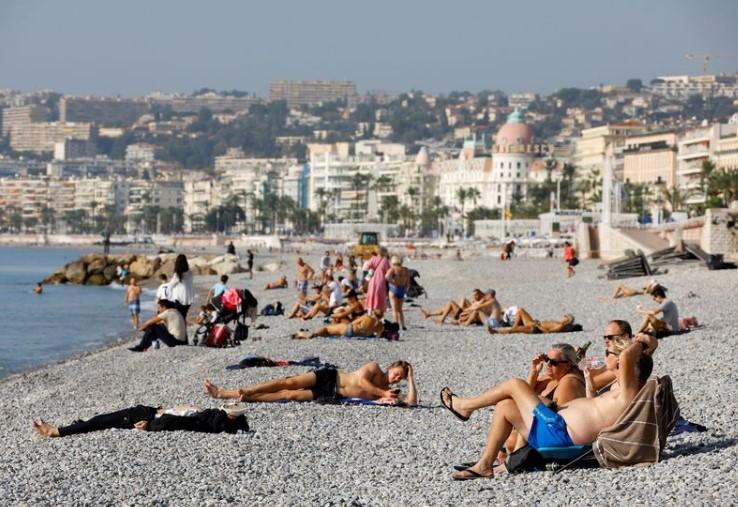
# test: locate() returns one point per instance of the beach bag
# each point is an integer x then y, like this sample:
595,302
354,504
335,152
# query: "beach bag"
219,336
639,434
268,310
525,459
242,332
391,330
230,299
574,261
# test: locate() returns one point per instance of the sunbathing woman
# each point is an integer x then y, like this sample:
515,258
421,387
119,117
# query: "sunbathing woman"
621,291
452,308
279,284
525,324
517,406
367,326
326,385
229,419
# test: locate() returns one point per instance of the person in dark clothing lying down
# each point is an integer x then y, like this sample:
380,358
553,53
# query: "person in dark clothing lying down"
228,419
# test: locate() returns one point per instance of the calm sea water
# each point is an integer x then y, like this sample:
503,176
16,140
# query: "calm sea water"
64,320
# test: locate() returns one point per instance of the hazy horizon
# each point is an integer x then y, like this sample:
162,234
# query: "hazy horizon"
131,49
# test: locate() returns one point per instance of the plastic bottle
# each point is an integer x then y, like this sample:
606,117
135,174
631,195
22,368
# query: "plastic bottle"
156,344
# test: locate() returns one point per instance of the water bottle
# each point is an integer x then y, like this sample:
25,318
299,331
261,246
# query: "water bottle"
156,344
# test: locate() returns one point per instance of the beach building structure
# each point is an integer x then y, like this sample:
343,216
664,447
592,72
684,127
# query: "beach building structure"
697,145
651,158
684,86
594,145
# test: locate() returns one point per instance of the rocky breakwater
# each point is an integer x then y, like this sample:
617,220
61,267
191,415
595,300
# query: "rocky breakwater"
98,269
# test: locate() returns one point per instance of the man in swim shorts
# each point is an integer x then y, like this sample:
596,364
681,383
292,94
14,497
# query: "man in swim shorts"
305,273
577,422
366,326
326,385
133,300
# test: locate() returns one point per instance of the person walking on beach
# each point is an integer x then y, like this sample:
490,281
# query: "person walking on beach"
250,263
570,257
376,293
133,300
398,280
181,290
328,385
168,326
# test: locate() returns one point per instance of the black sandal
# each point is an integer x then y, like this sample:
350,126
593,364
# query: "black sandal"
450,406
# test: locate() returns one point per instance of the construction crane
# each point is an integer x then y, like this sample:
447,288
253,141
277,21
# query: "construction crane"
707,57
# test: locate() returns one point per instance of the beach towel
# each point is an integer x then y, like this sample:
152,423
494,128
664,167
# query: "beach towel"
250,361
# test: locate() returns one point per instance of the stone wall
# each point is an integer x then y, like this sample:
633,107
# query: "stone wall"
720,232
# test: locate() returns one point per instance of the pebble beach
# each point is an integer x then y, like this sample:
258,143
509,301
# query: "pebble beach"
311,454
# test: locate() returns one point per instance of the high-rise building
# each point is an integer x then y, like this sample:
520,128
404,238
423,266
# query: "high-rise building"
650,158
19,118
212,101
696,146
308,93
103,111
42,137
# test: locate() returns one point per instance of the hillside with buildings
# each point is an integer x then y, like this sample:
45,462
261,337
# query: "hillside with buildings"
318,152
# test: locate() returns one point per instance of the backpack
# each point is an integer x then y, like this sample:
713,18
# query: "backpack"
219,336
391,330
639,434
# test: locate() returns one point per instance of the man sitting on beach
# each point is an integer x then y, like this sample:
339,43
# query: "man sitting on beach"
366,326
668,324
167,326
228,419
353,309
452,308
279,284
133,300
328,385
303,305
485,311
577,422
525,324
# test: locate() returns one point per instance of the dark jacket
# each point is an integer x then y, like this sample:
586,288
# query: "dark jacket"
211,420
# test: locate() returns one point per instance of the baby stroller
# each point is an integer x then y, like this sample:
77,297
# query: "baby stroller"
415,290
233,305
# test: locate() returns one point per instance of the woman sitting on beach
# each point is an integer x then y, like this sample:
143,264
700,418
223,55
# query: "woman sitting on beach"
279,284
228,419
562,382
328,385
453,309
366,326
302,307
525,324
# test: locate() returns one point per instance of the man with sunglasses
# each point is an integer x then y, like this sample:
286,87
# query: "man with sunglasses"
579,421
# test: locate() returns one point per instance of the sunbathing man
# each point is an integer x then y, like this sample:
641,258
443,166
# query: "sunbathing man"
578,422
279,284
485,311
525,324
326,304
327,384
303,305
353,309
668,324
621,291
366,326
452,308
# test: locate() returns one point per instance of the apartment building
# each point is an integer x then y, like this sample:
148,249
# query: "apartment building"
43,137
161,194
19,118
696,146
100,193
309,93
141,152
682,87
212,101
71,149
651,158
103,111
598,142
200,193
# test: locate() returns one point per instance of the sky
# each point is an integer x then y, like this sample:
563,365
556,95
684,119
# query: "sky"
133,47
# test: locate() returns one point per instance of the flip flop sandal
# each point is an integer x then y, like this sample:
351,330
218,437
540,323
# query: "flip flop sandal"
460,467
474,476
450,406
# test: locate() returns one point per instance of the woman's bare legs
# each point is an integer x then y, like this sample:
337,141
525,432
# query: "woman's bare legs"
507,415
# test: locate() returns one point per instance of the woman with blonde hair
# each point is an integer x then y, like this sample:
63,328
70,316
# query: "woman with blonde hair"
398,280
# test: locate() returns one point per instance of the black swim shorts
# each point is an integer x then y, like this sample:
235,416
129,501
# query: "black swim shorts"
326,385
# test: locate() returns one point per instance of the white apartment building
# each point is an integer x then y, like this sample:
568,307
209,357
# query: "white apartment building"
682,87
696,146
335,173
200,194
141,152
160,194
596,143
101,192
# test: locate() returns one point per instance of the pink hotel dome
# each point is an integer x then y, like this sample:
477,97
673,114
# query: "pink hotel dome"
514,131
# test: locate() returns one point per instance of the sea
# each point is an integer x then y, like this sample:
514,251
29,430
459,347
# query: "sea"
64,320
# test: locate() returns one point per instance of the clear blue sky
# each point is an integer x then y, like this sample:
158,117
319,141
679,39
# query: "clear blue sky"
131,47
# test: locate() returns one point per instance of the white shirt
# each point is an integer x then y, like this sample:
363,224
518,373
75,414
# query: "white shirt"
181,291
336,298
175,324
163,292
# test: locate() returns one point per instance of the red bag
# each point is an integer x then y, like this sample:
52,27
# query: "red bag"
219,336
230,299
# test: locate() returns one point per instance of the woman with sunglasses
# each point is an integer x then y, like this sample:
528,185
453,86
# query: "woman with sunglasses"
562,382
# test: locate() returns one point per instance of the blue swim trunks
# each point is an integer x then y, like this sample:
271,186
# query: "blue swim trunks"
134,307
548,429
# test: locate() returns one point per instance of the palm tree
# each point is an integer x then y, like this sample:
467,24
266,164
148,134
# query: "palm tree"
407,217
584,187
474,194
47,218
359,183
722,184
461,195
390,209
675,197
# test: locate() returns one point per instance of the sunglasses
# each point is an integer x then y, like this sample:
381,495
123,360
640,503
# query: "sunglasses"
609,337
611,353
554,362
